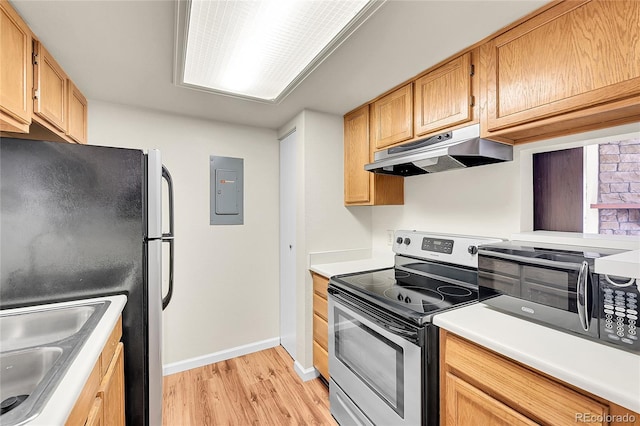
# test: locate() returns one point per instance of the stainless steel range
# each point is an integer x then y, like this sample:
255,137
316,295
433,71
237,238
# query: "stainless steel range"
383,348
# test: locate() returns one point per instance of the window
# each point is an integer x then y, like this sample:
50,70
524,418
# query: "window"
592,189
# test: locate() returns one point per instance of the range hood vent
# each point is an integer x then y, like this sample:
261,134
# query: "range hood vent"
456,149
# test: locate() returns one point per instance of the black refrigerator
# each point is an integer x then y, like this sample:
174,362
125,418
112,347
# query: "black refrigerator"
80,221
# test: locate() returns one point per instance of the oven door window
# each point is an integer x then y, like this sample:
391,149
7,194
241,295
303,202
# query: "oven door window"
375,360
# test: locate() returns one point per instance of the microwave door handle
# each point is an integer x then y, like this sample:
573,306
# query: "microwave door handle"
169,237
583,296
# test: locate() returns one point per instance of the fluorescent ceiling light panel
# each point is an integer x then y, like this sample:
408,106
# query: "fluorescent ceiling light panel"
262,49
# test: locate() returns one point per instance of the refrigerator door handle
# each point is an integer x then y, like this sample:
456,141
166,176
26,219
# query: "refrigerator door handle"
169,237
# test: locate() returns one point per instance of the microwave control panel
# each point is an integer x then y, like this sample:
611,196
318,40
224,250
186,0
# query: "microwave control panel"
619,313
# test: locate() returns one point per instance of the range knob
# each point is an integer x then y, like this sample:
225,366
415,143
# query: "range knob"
407,241
399,240
407,299
472,250
400,298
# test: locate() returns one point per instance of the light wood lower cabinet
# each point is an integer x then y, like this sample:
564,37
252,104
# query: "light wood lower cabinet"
102,399
478,386
96,415
320,326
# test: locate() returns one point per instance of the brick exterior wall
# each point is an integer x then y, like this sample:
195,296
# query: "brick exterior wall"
619,182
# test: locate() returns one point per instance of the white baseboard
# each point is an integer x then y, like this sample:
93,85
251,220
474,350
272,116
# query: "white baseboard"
305,374
188,364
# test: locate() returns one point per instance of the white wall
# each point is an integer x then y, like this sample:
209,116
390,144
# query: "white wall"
226,277
323,222
494,200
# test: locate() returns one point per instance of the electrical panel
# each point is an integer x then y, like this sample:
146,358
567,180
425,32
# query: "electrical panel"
226,190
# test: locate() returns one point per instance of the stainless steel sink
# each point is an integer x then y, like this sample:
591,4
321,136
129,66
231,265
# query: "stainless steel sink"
41,327
36,350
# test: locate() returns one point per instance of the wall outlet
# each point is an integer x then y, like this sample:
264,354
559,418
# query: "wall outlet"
389,237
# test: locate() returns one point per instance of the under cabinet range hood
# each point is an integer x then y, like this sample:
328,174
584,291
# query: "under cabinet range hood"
455,149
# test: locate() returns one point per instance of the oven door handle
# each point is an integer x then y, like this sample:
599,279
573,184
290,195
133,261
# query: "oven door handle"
391,327
409,335
583,296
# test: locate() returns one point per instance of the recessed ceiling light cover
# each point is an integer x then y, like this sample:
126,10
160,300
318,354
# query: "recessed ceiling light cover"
262,49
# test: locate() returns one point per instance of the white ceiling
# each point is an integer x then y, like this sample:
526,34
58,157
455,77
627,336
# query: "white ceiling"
122,52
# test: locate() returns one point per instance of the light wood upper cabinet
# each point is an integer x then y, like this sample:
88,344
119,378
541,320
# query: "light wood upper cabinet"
77,114
50,89
577,57
357,181
443,97
392,118
16,71
37,99
362,187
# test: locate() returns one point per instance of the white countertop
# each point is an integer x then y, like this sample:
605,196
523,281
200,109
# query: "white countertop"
63,398
623,242
625,264
604,371
336,268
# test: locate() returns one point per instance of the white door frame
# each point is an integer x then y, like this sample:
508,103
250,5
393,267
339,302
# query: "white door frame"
288,305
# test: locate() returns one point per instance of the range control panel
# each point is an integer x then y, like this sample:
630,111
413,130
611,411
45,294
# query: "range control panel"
450,248
437,245
619,313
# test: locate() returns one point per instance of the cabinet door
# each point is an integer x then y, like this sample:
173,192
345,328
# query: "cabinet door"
77,126
50,84
95,417
392,118
468,405
16,70
357,181
443,97
575,55
112,390
534,395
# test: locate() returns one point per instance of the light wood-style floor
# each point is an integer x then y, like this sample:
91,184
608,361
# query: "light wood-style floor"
256,389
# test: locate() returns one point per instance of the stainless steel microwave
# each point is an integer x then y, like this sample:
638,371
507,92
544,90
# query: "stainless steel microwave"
556,285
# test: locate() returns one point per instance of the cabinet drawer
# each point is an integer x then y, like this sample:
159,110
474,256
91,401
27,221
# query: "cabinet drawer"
320,307
321,360
524,390
320,284
320,331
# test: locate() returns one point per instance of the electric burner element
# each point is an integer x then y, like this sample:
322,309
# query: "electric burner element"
450,290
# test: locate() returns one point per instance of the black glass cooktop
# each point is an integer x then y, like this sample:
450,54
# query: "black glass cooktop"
412,296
